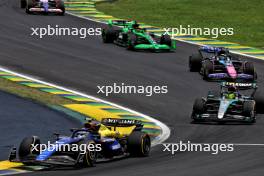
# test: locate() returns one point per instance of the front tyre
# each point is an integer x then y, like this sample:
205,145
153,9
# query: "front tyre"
29,5
61,6
195,62
132,42
26,147
23,4
249,110
208,68
250,69
259,98
198,109
109,34
90,157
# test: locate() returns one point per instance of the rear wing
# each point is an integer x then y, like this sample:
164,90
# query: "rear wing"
213,51
121,23
240,86
210,49
113,122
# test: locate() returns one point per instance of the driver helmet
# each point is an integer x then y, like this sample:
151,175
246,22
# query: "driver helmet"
93,125
221,57
223,52
231,92
80,135
135,25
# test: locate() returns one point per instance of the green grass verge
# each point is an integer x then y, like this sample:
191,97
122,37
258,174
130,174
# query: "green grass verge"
31,93
246,17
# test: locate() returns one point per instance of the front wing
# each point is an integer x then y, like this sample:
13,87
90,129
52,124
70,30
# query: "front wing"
50,10
222,76
227,118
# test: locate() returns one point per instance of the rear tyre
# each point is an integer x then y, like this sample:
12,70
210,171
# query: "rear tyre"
249,110
23,4
166,40
195,62
208,68
109,35
25,148
61,6
29,5
139,144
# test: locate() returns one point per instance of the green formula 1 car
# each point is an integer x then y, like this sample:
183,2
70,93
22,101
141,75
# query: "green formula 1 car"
129,34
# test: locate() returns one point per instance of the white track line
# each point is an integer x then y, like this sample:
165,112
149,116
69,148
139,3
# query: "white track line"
235,144
165,130
86,18
238,144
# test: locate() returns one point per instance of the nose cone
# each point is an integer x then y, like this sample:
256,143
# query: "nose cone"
224,104
46,6
231,71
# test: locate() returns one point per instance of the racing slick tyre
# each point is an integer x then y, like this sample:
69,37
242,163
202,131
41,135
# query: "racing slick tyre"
23,4
132,42
60,5
29,5
109,35
249,108
198,108
90,157
208,68
25,147
139,144
166,40
249,69
195,61
259,98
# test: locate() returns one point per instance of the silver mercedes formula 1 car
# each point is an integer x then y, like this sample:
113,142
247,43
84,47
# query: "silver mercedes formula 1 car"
231,104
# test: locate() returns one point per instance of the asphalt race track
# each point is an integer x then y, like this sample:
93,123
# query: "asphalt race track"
21,118
83,64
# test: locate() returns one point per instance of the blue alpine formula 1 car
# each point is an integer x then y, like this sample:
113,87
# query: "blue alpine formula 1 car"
84,147
230,105
43,6
218,64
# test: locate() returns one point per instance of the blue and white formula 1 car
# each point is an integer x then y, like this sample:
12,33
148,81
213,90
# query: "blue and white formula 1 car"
218,64
85,146
43,6
230,105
